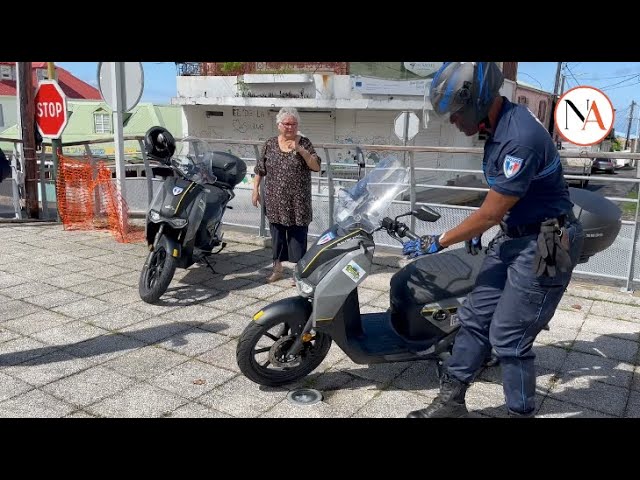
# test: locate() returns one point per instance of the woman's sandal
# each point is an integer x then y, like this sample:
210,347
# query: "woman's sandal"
275,276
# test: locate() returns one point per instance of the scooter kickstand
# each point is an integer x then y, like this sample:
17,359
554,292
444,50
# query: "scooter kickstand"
206,260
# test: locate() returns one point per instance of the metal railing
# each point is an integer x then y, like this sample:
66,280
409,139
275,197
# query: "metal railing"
333,175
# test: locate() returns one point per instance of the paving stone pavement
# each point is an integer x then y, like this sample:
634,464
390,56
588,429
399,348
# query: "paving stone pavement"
76,341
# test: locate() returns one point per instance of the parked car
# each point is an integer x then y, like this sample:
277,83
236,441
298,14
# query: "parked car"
623,163
606,165
579,166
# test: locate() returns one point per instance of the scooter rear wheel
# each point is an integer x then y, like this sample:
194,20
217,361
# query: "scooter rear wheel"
157,273
261,353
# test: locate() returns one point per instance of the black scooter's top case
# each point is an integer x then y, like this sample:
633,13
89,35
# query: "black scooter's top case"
332,244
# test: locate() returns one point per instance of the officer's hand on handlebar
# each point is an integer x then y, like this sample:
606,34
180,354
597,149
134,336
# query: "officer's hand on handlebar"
474,246
425,245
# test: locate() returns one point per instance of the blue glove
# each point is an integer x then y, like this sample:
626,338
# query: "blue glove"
474,246
425,245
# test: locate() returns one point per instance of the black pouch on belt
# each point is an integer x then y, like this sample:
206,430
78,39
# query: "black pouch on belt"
553,249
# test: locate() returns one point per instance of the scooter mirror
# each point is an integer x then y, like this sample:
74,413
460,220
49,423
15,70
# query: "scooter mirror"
426,214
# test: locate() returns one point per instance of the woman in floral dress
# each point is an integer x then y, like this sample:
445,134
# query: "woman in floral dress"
286,164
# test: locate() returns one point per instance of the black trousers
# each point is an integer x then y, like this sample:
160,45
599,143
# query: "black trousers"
506,310
289,243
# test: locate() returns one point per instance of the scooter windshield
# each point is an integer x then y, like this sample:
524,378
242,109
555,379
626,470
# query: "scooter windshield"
193,159
364,204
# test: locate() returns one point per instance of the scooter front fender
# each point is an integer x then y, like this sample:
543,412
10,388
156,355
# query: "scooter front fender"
296,310
175,249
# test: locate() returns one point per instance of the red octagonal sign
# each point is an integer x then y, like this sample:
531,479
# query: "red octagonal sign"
51,109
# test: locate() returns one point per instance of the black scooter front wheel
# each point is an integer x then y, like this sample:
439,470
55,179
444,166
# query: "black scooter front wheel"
157,272
262,353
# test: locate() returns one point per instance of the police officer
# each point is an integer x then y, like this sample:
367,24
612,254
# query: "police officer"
528,264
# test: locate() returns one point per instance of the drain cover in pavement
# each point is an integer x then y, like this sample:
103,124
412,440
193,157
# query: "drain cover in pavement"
304,396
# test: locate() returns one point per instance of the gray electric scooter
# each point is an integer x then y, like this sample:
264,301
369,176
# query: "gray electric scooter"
184,219
289,338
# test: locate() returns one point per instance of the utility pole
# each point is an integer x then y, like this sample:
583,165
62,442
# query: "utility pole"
27,126
626,143
557,83
56,143
562,85
554,100
635,146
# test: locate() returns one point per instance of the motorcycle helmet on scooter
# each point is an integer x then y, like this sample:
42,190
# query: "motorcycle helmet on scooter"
467,88
159,144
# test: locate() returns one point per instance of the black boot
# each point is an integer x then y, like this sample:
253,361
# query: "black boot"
448,404
513,414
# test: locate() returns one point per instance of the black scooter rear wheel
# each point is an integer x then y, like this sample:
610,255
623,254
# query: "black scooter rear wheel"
157,272
261,353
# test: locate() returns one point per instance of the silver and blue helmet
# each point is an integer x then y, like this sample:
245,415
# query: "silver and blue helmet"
467,88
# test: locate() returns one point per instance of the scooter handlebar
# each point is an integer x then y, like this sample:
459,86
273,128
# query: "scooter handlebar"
398,229
406,232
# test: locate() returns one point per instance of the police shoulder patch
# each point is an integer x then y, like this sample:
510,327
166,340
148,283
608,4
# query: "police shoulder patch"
512,166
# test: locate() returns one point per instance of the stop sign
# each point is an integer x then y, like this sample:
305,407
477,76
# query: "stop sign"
51,109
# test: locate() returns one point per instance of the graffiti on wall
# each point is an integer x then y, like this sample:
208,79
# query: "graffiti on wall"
347,155
251,123
211,132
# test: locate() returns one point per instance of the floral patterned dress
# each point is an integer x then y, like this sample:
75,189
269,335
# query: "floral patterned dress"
287,188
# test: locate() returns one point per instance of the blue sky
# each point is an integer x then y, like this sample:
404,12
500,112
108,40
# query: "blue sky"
159,78
619,80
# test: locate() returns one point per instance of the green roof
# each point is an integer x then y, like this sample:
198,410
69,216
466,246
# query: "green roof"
81,125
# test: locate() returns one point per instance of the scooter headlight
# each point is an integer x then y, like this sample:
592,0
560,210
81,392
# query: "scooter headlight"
305,289
178,222
154,216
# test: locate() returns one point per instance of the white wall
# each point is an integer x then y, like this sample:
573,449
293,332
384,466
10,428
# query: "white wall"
350,127
9,111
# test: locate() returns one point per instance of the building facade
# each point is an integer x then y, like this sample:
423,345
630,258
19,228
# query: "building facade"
538,101
73,88
339,102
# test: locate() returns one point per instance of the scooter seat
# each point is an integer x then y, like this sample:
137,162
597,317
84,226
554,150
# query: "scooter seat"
433,278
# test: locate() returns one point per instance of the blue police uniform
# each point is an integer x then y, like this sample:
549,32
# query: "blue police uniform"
509,304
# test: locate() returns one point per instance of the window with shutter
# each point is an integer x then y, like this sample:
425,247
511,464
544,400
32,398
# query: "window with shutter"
542,110
102,123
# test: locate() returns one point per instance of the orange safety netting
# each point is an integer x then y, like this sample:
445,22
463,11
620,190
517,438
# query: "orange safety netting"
90,202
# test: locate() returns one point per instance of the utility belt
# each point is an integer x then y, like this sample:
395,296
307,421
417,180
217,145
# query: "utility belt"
552,253
523,230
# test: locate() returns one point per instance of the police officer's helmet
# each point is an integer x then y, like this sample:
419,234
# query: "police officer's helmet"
465,87
159,144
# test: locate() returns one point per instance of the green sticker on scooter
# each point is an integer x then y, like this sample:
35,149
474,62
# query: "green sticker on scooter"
354,271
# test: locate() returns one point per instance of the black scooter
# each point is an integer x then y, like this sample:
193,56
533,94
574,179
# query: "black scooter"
289,338
185,216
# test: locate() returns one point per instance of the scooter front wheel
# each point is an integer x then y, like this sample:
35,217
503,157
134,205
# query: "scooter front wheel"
157,272
262,353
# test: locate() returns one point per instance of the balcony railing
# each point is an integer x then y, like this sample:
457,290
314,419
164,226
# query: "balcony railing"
618,262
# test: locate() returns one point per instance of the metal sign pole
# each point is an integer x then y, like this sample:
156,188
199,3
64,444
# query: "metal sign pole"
121,86
405,136
119,92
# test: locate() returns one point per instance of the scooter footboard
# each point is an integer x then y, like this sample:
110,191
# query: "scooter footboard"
296,311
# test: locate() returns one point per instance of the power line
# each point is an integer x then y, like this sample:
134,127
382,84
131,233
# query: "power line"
611,78
572,75
532,78
622,86
637,75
